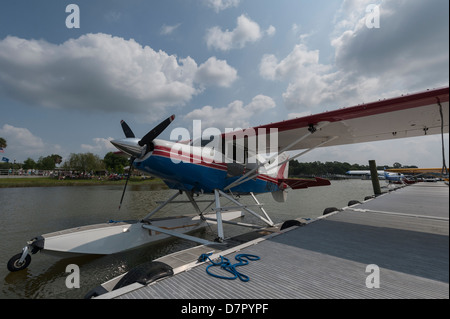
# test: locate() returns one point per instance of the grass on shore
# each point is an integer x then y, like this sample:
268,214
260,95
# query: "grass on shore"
53,182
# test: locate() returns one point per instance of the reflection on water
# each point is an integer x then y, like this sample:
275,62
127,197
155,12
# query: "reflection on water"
28,212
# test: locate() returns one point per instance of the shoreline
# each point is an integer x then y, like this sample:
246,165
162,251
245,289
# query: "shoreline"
15,182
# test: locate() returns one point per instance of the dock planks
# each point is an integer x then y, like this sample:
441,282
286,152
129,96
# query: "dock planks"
405,233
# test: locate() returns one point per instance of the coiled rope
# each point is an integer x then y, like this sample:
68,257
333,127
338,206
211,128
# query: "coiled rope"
243,259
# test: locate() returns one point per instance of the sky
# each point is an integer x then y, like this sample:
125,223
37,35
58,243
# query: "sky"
68,75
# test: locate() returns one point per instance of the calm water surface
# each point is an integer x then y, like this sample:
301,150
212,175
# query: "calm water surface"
29,212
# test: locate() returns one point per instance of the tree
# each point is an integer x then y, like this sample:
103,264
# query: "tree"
397,165
3,143
115,163
321,169
48,162
45,163
86,162
29,164
56,158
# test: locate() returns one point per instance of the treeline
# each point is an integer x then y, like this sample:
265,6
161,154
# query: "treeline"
82,162
88,162
297,169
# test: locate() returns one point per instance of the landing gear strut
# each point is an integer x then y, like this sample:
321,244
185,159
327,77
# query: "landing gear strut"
23,259
19,261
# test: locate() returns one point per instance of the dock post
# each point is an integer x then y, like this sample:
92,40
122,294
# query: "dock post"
374,176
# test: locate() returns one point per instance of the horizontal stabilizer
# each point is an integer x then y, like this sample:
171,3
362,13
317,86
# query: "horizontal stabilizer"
297,183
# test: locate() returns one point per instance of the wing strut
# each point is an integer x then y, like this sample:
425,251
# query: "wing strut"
249,175
294,157
157,209
310,149
219,208
179,235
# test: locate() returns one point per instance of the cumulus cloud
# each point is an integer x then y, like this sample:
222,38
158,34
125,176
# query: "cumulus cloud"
246,31
412,37
216,72
309,80
100,72
219,5
271,30
408,52
23,143
169,29
236,113
21,136
301,59
99,145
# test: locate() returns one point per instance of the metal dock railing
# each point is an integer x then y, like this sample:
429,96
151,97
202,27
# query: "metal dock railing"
393,246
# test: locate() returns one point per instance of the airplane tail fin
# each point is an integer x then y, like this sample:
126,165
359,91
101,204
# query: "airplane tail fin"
281,173
273,169
285,182
283,170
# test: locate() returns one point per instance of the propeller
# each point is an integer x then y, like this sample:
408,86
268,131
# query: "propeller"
138,148
126,182
150,136
126,129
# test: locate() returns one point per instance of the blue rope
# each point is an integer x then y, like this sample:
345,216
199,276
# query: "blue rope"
225,264
114,221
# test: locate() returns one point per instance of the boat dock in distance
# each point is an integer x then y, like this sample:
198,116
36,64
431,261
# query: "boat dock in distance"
394,246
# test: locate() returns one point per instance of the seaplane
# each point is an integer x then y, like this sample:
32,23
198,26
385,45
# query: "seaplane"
366,173
382,175
423,174
239,163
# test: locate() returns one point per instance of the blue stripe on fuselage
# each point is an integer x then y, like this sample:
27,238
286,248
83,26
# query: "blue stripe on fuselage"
199,178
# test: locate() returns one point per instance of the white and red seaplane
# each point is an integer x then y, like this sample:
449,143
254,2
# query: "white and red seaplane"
245,162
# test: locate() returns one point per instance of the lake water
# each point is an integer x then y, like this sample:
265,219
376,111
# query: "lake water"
29,212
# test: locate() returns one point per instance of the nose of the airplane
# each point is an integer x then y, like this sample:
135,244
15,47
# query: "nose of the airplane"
130,146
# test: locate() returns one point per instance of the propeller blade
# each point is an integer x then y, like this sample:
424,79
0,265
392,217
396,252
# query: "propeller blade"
150,136
128,147
126,129
126,182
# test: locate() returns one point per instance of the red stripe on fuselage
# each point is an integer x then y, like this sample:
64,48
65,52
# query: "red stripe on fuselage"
194,159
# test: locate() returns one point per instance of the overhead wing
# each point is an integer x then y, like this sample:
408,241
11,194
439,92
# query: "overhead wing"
405,116
415,170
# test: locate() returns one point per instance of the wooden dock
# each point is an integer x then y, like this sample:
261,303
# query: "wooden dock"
395,246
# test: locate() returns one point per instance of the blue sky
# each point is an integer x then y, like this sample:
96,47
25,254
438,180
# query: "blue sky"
229,63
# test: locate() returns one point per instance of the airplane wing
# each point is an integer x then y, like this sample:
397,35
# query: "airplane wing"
417,114
409,115
414,170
